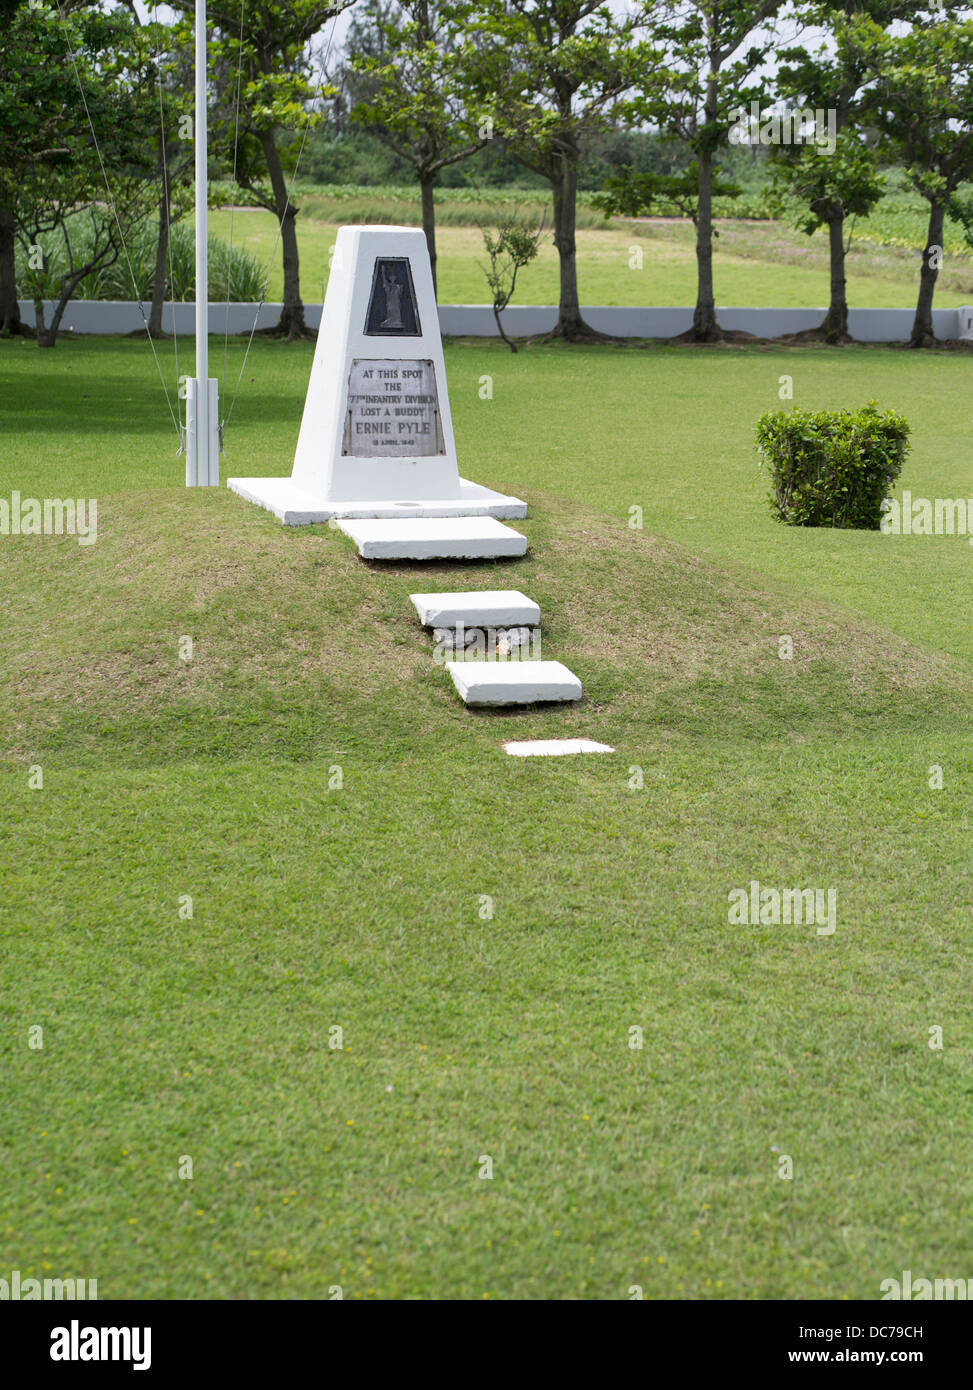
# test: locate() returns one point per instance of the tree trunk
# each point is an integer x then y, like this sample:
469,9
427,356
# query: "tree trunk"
161,264
43,338
69,283
835,325
922,329
564,184
496,314
291,322
59,309
429,223
705,327
9,308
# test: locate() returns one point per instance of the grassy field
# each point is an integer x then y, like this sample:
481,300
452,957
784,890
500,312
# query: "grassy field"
339,819
756,262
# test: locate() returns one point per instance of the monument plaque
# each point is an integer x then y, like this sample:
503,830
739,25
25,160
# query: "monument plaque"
392,409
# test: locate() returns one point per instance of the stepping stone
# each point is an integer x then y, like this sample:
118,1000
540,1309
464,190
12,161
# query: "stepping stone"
434,538
487,608
513,682
555,747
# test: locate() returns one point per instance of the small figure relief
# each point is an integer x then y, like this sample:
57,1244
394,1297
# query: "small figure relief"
392,311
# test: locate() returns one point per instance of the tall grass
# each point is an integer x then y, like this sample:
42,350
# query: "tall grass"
900,219
464,207
240,273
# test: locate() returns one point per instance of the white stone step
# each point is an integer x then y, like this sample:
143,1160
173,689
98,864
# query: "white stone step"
483,608
513,682
434,538
555,747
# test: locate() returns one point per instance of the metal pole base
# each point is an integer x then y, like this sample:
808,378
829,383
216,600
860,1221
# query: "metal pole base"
202,434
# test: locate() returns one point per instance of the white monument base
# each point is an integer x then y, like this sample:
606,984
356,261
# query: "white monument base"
296,506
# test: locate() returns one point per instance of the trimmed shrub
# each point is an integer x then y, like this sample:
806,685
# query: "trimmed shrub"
832,467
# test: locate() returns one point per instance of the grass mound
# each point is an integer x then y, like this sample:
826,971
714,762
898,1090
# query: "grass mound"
296,644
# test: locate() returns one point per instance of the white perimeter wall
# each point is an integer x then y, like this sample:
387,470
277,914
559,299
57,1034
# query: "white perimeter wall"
520,321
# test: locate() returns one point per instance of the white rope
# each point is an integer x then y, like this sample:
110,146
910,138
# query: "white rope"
167,195
229,262
114,210
280,224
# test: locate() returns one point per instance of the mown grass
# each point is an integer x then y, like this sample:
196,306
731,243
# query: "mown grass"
356,898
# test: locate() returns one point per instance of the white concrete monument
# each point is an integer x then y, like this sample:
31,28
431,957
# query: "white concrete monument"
376,439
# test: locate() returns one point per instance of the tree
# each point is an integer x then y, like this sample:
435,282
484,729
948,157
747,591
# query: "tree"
413,66
75,127
39,105
271,51
64,210
634,194
714,54
827,190
174,173
831,185
924,105
173,144
561,68
510,246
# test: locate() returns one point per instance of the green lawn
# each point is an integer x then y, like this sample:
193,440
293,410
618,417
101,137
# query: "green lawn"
756,263
360,906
